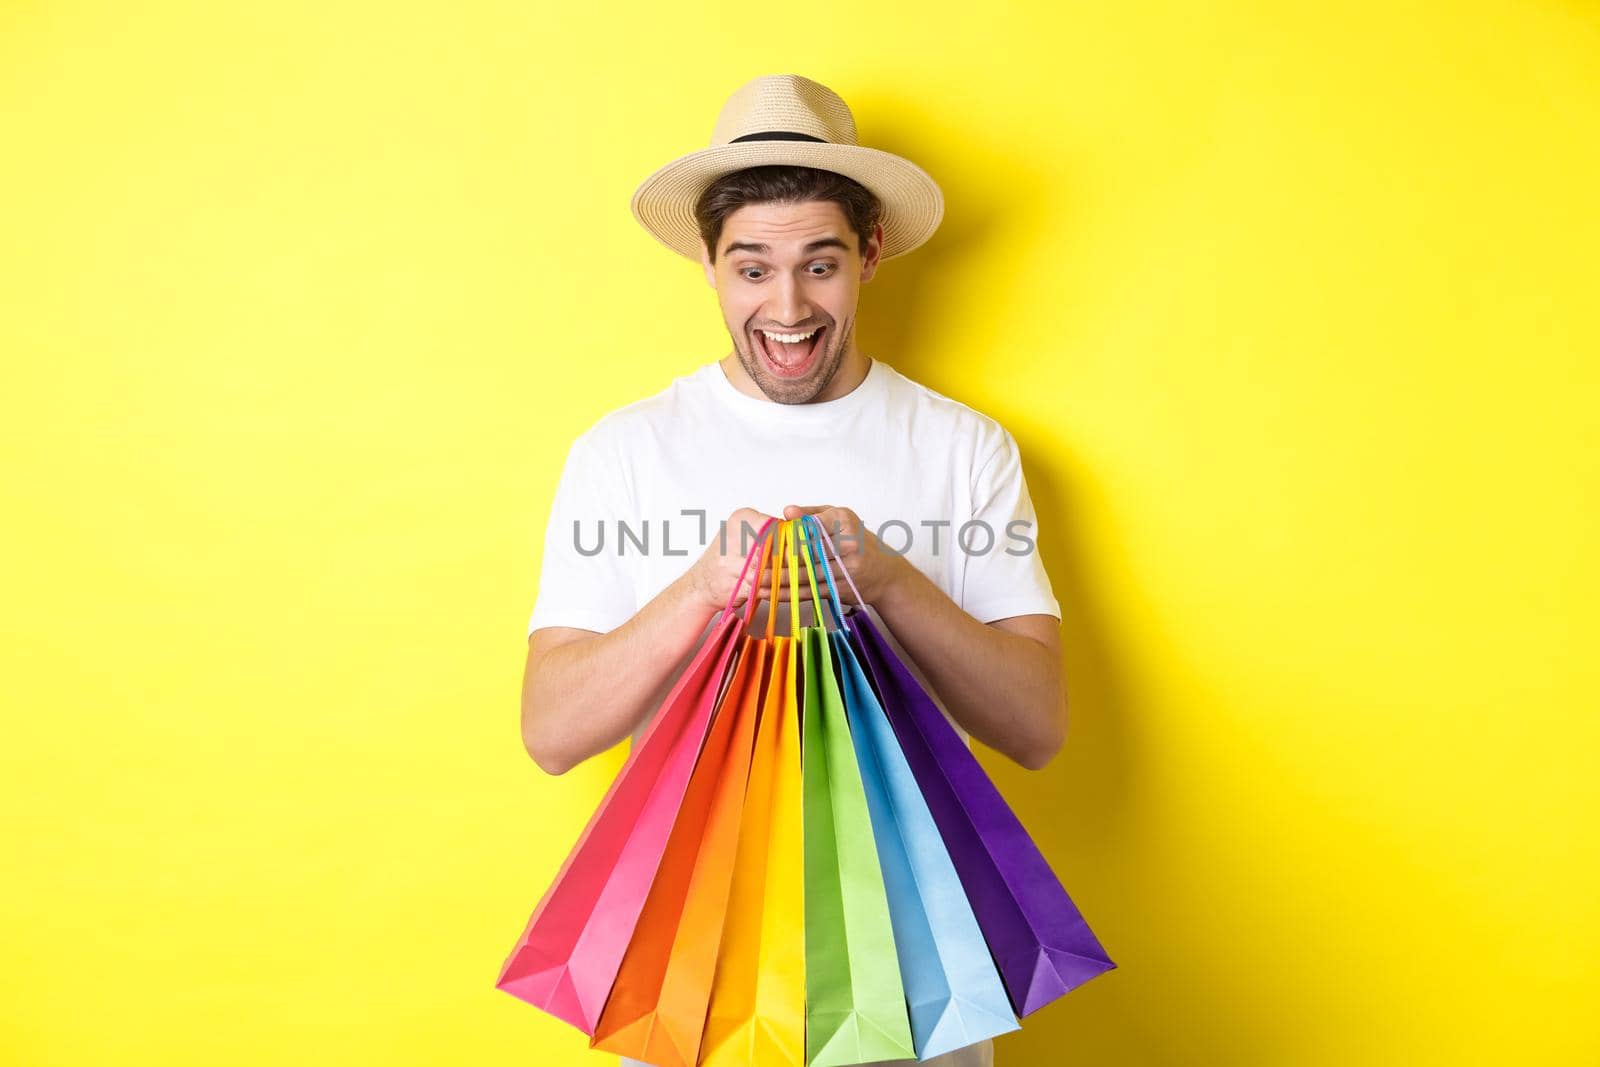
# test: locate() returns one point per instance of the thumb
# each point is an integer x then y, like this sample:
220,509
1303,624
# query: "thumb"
794,511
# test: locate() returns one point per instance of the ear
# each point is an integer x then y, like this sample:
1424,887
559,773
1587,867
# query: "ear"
869,255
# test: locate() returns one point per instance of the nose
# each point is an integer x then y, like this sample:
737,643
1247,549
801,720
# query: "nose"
789,306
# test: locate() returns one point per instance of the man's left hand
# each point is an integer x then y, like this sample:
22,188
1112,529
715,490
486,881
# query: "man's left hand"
873,567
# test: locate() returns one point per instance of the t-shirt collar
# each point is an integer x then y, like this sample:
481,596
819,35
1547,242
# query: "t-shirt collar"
796,414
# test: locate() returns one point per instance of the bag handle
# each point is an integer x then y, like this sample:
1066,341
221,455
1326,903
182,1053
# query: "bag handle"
811,574
792,561
764,545
827,572
789,562
765,541
777,571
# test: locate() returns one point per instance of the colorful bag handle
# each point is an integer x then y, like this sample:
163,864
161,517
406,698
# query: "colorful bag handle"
810,555
791,552
764,539
827,572
792,561
811,574
777,567
785,551
764,545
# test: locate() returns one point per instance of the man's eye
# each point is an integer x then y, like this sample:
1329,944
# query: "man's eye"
825,268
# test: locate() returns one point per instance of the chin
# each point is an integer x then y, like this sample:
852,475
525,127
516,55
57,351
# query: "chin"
790,390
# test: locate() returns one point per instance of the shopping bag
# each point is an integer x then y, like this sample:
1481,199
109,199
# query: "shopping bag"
953,992
758,993
855,999
657,1008
1040,942
567,956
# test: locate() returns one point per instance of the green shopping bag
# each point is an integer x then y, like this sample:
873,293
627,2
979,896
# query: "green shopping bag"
855,1001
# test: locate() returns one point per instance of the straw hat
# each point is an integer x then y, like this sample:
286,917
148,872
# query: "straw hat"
784,118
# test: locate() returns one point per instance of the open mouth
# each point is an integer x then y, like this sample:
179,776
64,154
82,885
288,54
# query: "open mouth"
786,360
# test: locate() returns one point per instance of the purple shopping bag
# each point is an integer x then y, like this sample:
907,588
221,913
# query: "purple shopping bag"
1040,942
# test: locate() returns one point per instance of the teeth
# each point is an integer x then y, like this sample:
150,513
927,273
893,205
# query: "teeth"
789,338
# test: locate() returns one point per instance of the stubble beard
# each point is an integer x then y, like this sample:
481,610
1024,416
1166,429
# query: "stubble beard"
796,391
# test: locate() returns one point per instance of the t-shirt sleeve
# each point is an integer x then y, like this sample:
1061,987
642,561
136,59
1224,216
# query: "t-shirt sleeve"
583,582
1009,578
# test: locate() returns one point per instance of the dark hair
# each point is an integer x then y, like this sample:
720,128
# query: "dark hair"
783,184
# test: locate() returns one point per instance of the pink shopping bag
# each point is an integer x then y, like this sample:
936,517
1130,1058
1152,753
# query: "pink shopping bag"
568,955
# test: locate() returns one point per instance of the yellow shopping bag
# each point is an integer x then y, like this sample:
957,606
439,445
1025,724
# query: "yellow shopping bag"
758,994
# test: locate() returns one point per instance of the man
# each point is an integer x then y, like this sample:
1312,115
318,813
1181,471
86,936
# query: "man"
788,216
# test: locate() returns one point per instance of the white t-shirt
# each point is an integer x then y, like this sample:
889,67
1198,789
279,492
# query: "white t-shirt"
915,465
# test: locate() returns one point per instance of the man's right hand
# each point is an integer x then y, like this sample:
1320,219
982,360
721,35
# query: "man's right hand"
584,691
713,575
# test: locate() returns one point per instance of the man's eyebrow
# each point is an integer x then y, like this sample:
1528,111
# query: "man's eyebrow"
761,249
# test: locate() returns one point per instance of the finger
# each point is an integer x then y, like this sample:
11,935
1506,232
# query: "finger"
848,552
794,511
841,583
845,532
817,544
783,594
841,586
782,603
803,591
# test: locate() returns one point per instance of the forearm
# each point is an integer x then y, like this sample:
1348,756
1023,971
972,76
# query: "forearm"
1002,688
585,696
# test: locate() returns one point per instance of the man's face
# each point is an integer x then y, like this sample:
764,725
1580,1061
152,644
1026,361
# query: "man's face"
790,269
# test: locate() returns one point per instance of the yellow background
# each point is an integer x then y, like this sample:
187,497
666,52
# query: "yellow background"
1290,307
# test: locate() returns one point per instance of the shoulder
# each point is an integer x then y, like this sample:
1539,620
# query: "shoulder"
982,433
